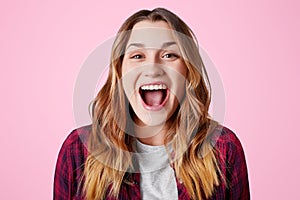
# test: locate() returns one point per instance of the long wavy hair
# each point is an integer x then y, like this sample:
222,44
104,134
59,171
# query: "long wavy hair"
111,148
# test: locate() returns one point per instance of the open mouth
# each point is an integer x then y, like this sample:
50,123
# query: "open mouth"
154,96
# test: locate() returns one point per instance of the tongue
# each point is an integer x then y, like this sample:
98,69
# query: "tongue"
153,98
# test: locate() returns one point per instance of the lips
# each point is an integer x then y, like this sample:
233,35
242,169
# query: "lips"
154,96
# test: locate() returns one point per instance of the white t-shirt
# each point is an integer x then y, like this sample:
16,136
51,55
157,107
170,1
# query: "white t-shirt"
157,176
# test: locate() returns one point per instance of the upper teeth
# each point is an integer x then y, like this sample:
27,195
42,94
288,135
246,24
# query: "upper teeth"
154,87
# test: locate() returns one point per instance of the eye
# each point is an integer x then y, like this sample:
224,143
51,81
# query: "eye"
136,56
170,56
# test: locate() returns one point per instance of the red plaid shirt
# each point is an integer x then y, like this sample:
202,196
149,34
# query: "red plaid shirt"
71,158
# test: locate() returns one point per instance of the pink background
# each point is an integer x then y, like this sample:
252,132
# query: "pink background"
254,44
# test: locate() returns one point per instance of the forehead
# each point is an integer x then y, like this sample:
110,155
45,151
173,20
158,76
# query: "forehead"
151,34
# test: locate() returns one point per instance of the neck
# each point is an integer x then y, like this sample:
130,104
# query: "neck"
150,135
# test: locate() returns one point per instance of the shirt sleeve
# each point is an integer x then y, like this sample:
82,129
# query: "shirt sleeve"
236,169
62,177
70,165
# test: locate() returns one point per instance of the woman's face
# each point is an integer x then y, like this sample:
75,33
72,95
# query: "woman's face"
153,73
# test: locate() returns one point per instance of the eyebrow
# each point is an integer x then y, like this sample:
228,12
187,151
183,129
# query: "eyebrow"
140,45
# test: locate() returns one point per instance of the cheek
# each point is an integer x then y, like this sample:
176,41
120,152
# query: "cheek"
181,79
129,69
124,68
182,69
127,85
129,78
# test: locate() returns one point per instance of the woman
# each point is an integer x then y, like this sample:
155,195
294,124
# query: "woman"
151,135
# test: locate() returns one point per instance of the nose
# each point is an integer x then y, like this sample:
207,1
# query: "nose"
153,68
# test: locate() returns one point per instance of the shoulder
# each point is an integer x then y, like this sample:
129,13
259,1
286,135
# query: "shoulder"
70,163
226,141
232,163
78,136
227,145
73,151
75,145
